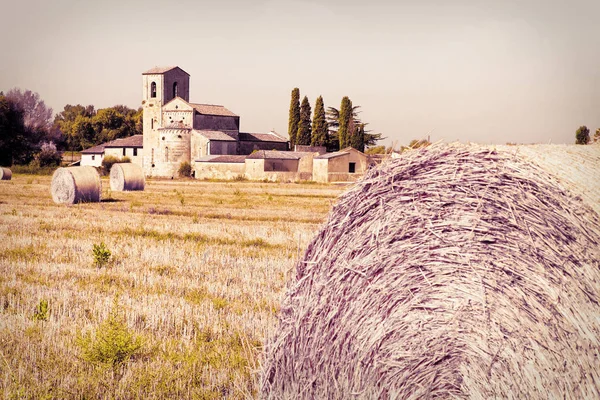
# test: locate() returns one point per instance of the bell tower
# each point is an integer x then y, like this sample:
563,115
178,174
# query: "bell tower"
159,86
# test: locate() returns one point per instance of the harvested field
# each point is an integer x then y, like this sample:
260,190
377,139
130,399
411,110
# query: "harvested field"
453,272
200,268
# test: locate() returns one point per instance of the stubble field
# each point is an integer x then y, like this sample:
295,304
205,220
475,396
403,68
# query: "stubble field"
198,270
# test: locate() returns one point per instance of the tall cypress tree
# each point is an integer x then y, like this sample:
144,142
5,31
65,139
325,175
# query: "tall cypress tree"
346,121
319,125
294,119
303,136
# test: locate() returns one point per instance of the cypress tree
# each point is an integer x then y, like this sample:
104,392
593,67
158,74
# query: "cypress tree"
294,119
319,125
303,136
346,121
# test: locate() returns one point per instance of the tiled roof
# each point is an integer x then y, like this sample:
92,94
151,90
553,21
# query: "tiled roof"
95,150
222,159
216,135
332,155
342,152
131,141
160,70
212,109
277,155
261,137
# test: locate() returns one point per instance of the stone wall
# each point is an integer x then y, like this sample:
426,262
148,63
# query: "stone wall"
320,170
213,170
218,147
216,123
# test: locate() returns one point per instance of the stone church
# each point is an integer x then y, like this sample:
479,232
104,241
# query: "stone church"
177,131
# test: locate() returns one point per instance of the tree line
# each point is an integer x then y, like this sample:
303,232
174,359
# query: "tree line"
335,128
30,134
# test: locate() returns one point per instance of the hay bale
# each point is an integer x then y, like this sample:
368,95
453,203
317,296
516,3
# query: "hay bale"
451,272
76,184
127,176
5,174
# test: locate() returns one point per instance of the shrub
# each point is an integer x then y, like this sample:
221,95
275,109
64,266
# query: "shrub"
240,178
108,161
185,169
48,156
41,311
582,136
101,255
112,343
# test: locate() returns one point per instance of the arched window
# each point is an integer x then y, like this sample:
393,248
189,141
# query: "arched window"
152,123
153,89
175,89
166,154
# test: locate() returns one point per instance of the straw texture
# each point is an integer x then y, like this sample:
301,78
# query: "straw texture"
76,184
452,272
5,174
127,176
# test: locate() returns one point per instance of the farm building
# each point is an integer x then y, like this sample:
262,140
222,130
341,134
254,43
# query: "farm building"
279,165
130,147
345,165
270,165
177,131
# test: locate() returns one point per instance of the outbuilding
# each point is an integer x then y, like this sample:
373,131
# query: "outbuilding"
346,165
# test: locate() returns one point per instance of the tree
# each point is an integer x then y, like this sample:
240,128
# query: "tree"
65,123
582,135
48,155
303,135
13,143
357,136
294,119
345,122
36,116
597,135
319,136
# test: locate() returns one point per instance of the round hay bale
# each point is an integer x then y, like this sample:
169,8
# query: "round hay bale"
5,174
127,176
450,272
76,184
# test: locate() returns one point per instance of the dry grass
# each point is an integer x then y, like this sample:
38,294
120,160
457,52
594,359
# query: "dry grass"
200,268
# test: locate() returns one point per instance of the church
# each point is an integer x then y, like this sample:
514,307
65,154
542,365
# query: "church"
177,131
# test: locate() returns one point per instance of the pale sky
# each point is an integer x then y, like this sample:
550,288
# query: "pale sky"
483,71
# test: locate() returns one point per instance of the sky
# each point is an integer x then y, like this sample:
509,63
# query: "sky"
481,71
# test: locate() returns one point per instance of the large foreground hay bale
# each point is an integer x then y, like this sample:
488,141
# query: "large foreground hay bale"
5,174
76,184
127,176
451,272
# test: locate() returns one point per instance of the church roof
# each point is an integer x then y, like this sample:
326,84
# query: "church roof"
131,141
261,137
161,70
212,109
216,135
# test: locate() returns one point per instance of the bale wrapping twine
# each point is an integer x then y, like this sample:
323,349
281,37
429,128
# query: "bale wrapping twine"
76,184
453,272
5,174
126,176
